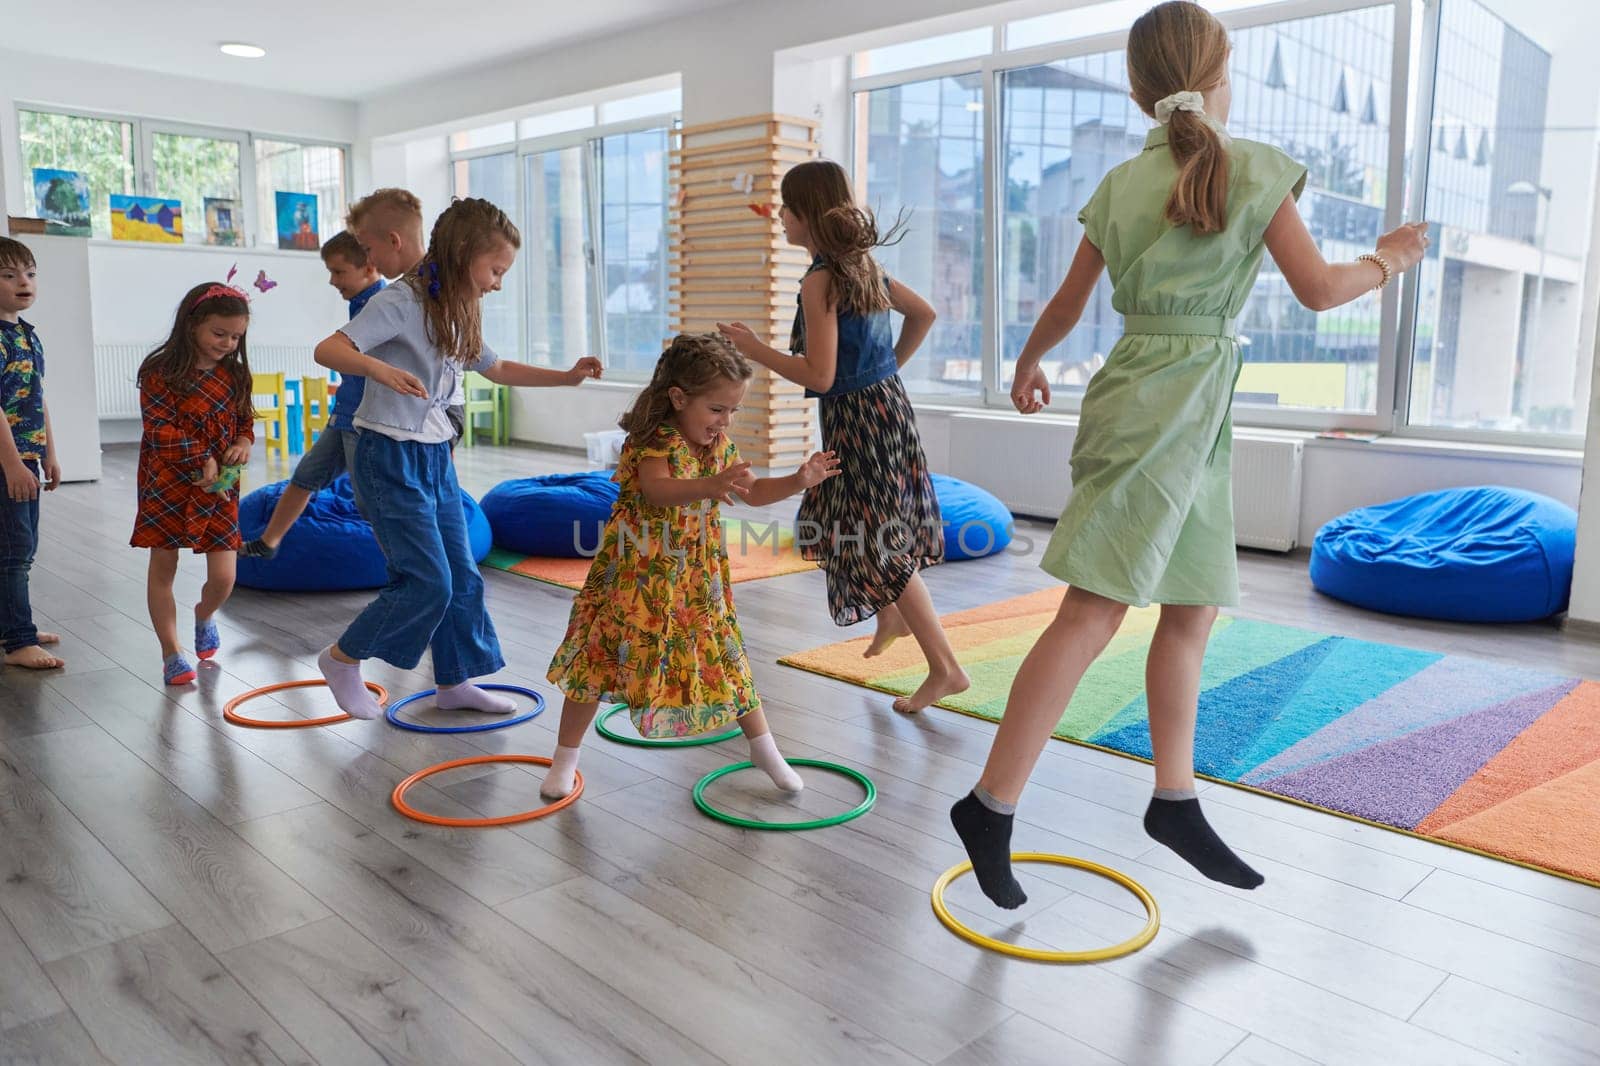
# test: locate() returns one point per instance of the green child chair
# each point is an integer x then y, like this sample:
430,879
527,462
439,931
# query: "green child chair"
484,397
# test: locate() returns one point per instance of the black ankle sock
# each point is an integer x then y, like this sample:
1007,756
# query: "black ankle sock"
1180,825
258,549
987,838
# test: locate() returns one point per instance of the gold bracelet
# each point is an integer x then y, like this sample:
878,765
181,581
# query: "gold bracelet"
1382,264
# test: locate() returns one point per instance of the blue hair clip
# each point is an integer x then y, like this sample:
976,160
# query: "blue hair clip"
433,285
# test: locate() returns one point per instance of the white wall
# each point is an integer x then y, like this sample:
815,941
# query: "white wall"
67,333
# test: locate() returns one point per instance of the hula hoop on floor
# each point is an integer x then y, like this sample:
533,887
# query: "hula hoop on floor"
393,713
817,823
1115,951
606,731
398,797
231,714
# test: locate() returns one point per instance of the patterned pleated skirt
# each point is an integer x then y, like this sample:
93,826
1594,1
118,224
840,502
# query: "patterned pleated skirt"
877,523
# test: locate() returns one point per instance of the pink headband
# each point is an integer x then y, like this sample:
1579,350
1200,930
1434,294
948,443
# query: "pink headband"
223,290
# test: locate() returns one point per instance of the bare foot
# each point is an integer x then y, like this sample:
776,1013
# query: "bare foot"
891,627
49,638
934,689
34,657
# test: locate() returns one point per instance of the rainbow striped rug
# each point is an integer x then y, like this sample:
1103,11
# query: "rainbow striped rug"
1484,756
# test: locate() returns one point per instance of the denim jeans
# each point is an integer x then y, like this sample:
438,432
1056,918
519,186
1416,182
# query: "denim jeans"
434,597
325,460
19,539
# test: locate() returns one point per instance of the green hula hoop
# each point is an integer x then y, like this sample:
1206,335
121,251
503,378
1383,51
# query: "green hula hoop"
820,823
606,731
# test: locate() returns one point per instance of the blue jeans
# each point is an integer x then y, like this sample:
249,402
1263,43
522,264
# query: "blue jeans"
434,597
19,539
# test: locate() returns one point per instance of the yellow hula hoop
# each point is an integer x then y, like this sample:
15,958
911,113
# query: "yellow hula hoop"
1115,951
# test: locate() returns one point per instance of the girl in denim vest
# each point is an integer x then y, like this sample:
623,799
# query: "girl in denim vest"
873,529
412,342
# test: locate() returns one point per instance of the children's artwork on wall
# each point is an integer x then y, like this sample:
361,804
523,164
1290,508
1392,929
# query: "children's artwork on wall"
146,218
297,221
62,198
224,222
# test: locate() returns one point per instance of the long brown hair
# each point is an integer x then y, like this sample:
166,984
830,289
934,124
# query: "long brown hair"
1181,47
452,304
843,234
174,360
694,362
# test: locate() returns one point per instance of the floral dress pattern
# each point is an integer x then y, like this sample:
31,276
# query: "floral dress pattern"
654,626
181,430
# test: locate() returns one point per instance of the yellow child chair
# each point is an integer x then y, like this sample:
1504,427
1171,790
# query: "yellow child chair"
275,414
316,408
484,397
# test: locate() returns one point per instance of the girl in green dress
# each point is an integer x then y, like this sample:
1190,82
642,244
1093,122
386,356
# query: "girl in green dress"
1181,229
653,626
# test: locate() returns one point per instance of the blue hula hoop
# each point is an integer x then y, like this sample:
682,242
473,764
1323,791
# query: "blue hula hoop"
392,713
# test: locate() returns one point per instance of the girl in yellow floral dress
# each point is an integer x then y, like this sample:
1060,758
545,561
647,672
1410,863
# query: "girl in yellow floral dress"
654,626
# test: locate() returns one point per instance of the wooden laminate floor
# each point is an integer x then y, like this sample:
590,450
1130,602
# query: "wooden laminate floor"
174,889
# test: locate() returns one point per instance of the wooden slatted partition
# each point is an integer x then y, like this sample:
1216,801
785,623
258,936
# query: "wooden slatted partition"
728,261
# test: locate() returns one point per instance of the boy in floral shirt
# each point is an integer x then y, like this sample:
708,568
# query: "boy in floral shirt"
26,452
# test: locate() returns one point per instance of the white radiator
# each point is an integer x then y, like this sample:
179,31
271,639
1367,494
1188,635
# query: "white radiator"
1266,491
116,371
1021,460
1024,463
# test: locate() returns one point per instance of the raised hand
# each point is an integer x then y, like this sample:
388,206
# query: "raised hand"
583,369
740,336
1404,246
732,484
818,468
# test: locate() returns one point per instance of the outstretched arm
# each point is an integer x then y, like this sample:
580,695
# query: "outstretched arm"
818,468
1322,285
505,372
816,368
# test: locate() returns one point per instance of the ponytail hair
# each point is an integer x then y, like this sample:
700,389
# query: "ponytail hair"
1176,47
844,234
693,362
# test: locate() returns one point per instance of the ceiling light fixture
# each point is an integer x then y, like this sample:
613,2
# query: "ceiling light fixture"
243,51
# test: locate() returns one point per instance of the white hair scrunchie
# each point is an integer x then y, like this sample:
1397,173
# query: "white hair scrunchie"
1184,101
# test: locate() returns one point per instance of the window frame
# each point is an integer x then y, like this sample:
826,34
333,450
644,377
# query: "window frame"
144,130
589,139
1413,68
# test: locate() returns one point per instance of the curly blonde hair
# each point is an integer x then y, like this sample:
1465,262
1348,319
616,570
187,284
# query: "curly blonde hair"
693,362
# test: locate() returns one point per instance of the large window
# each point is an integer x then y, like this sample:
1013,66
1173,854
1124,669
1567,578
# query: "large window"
1494,333
591,202
288,166
1504,331
924,164
100,149
633,220
194,170
494,178
239,173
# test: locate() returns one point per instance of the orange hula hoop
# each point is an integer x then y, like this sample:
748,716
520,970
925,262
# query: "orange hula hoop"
398,798
231,714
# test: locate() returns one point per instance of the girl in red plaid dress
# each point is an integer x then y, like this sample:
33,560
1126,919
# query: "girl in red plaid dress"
194,393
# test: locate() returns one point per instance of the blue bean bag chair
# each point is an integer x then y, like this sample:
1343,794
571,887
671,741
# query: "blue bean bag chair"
331,548
551,515
1469,555
976,523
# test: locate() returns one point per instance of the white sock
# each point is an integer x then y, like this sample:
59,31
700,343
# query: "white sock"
764,753
469,697
349,692
562,778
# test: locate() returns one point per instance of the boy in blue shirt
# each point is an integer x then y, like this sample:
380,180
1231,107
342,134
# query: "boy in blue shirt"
357,280
27,451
